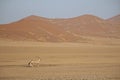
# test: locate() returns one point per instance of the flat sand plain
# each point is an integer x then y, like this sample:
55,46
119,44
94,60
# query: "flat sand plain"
60,61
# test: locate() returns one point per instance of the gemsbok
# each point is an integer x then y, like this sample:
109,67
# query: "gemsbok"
34,63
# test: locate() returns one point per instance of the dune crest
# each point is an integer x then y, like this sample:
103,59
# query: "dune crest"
35,28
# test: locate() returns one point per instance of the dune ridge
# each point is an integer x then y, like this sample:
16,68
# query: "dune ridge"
36,28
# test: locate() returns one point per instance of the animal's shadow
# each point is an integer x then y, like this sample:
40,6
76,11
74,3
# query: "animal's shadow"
25,65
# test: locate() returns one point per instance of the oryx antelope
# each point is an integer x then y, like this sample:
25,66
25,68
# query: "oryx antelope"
35,62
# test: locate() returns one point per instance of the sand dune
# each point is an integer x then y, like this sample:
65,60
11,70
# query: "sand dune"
81,48
115,19
34,28
89,25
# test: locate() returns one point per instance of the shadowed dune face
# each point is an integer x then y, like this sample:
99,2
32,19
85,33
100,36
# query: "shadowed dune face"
36,28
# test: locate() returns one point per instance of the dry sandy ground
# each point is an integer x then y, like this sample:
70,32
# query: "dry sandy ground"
60,61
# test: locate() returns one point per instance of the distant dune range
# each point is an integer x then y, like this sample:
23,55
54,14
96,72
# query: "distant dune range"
35,28
80,48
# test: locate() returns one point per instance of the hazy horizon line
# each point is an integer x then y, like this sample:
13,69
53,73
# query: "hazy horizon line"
57,17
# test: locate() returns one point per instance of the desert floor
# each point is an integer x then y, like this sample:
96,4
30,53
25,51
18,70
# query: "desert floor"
60,61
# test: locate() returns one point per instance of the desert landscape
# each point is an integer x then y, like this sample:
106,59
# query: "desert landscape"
81,48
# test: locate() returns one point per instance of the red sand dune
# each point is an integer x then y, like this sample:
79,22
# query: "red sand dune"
57,30
115,19
89,25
